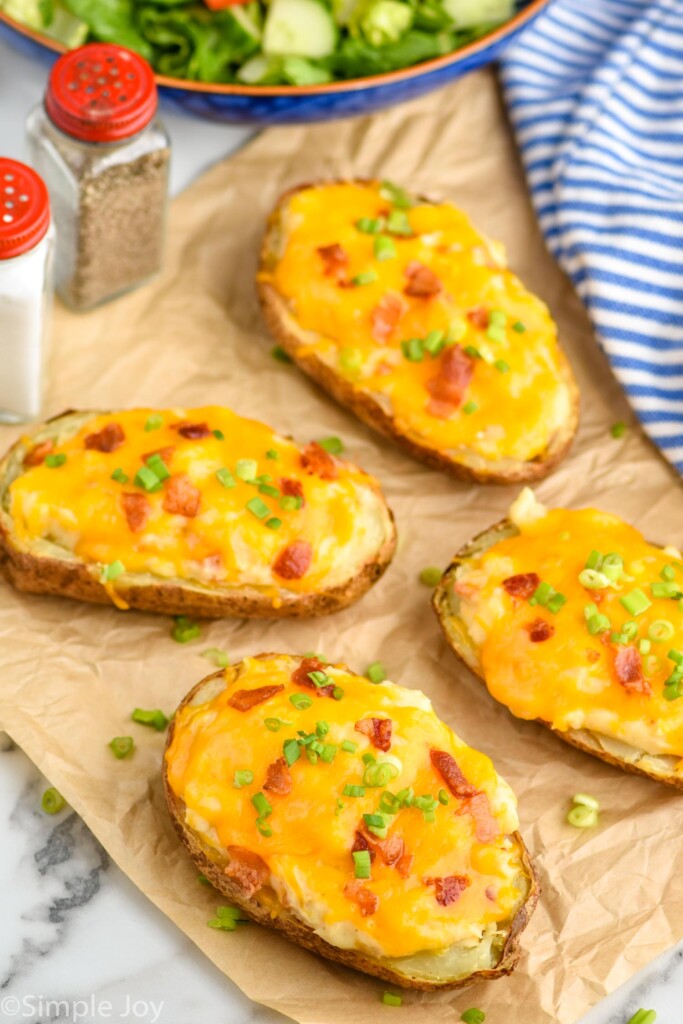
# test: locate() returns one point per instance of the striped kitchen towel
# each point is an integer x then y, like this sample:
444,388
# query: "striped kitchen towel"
594,90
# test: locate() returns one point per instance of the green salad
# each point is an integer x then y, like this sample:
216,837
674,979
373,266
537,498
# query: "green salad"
278,42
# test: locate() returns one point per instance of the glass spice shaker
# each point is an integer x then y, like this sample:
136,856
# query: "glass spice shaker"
105,159
26,243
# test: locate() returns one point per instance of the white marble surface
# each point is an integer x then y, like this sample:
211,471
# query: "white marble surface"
78,942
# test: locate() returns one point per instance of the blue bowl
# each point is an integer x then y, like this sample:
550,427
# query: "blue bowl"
262,105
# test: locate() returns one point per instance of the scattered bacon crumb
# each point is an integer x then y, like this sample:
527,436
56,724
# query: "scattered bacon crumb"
137,510
390,849
247,869
335,261
165,454
366,900
293,488
628,666
486,826
449,889
301,677
316,460
278,778
448,386
378,731
447,767
523,585
479,317
422,281
37,454
181,497
108,439
294,561
386,315
193,431
465,588
592,655
539,630
245,700
405,864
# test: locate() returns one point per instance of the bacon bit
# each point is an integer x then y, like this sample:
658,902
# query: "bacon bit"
628,666
592,655
193,431
108,439
447,767
37,454
293,488
316,460
448,889
383,369
247,869
335,261
539,630
361,842
245,700
278,778
448,386
378,731
181,497
366,900
523,585
486,826
390,849
422,281
405,864
463,588
137,510
479,317
294,561
300,676
165,454
385,316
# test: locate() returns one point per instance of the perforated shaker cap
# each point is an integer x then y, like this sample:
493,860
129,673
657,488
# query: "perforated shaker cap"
101,93
24,208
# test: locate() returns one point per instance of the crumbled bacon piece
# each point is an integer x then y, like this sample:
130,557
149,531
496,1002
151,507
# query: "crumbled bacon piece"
366,900
245,700
465,588
539,630
405,864
447,767
422,281
628,667
293,488
479,317
385,316
449,889
335,261
523,585
301,676
278,778
108,439
592,655
447,388
486,826
316,460
37,454
165,454
378,731
294,561
390,849
137,510
193,431
247,869
181,497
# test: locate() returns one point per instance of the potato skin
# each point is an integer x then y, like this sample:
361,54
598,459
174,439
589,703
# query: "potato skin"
284,328
271,914
68,577
580,739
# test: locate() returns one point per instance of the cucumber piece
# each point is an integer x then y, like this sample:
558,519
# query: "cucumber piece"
299,28
469,13
260,70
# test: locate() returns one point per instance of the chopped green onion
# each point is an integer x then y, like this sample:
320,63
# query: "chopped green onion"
361,863
502,366
350,790
675,656
226,918
598,624
398,224
365,277
156,719
218,434
158,466
375,672
585,800
582,817
473,1016
368,758
225,478
472,352
618,430
311,755
260,802
291,751
263,827
279,353
203,880
644,646
351,359
494,332
396,195
555,602
114,570
389,999
378,775
469,407
246,469
319,678
443,797
349,747
185,630
389,804
258,508
618,638
154,421
243,777
53,801
635,602
274,523
589,611
322,728
519,327
273,454
434,342
337,693
660,629
406,796
219,658
333,445
541,594
119,476
630,630
591,579
339,808
412,350
301,701
612,567
430,576
666,589
370,225
374,820
498,317
122,746
146,478
274,724
594,560
328,752
643,1017
384,248
268,489
668,573
290,502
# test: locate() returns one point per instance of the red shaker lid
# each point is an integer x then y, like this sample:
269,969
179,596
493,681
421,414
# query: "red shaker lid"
24,208
101,93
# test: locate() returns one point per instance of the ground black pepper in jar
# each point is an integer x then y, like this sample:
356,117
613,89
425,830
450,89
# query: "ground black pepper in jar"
105,158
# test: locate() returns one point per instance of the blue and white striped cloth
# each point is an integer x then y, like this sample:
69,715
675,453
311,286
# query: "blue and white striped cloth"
595,94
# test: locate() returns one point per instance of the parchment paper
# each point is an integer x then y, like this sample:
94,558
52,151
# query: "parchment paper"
71,674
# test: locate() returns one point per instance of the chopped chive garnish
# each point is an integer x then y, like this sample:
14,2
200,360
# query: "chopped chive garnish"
226,918
52,801
154,421
472,352
370,225
443,797
311,755
120,476
122,746
319,678
349,747
260,802
113,570
591,579
384,248
675,656
203,880
598,624
280,354
55,461
155,719
643,1017
502,366
473,1016
636,602
594,560
268,489
666,589
365,277
581,816
375,672
361,863
290,502
351,359
375,820
396,195
389,999
158,466
555,603
273,455
225,478
258,508
498,318
322,728
398,224
333,445
430,576
246,469
243,777
469,407
368,758
519,327
328,753
274,724
301,701
273,523
337,693
146,478
291,751
389,804
219,657
412,350
618,430
644,646
350,790
548,597
263,827
494,332
668,573
339,808
185,630
660,629
433,342
219,435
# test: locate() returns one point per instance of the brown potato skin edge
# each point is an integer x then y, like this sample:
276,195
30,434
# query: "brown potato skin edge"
34,574
275,311
213,868
439,605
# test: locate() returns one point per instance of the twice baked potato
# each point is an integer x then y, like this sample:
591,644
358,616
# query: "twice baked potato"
409,316
189,511
347,816
573,620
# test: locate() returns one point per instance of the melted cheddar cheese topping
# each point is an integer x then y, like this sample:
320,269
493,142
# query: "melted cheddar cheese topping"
203,522
517,397
619,681
313,827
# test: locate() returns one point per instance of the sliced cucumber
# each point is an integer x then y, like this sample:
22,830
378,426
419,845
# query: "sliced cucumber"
299,28
467,13
260,70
